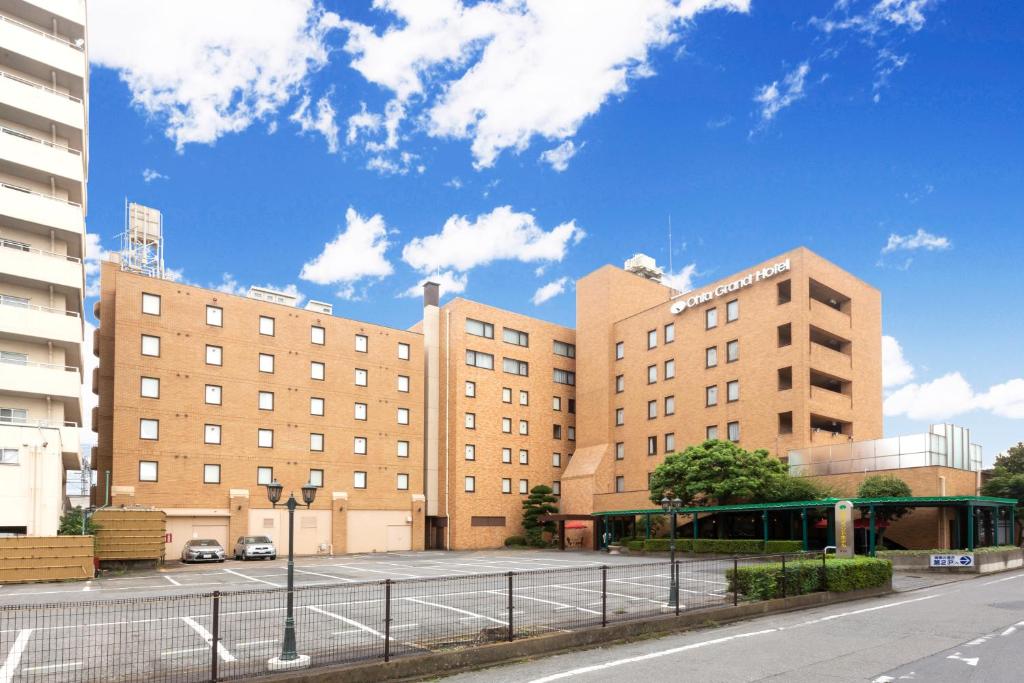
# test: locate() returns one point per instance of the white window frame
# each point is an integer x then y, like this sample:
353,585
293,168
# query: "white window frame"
556,459
264,437
404,351
150,303
470,389
524,486
212,434
506,425
364,411
211,473
524,456
403,416
317,335
506,456
150,342
524,428
470,451
402,481
359,479
732,311
316,442
524,397
266,363
267,326
260,472
470,421
214,316
317,370
400,447
403,384
214,355
506,485
144,467
364,375
213,391
317,406
265,400
148,425
316,477
360,445
362,343
149,387
469,484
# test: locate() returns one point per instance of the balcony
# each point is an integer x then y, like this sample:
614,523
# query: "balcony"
49,158
28,263
829,360
66,433
27,378
38,212
72,10
831,403
32,43
41,101
38,323
827,317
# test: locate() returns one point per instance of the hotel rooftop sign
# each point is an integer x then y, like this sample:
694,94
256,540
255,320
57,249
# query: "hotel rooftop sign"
689,300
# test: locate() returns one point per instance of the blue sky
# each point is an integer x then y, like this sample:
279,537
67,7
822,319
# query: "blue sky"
883,134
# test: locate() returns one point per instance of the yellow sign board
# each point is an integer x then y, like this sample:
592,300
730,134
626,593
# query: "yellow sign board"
844,529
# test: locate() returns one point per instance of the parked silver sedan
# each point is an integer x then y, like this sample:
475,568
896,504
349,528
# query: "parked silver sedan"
252,547
202,550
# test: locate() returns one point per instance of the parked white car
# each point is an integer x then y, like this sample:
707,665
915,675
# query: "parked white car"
254,547
202,550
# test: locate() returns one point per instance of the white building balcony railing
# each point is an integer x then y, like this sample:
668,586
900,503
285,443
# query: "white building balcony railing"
39,86
19,303
78,45
18,246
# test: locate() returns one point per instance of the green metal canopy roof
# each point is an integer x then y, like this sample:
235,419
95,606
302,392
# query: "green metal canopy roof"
912,501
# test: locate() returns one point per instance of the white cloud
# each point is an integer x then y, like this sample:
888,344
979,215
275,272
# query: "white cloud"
94,255
356,253
499,72
921,239
558,157
361,121
229,285
775,97
887,64
399,165
883,17
896,370
322,122
450,283
205,73
454,183
149,175
951,395
502,234
549,291
682,280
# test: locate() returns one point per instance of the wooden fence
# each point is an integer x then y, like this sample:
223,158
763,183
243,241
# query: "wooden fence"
126,534
45,558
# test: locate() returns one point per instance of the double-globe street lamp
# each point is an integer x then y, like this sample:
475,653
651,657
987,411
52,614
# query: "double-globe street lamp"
672,507
290,658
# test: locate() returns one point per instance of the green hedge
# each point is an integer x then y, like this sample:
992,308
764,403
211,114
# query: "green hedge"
515,541
765,581
723,546
636,545
945,551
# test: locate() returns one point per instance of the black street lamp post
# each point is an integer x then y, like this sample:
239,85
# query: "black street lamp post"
290,658
672,507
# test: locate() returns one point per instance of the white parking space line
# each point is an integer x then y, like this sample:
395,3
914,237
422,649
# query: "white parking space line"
620,595
456,609
255,643
377,571
550,602
222,651
326,576
184,651
350,622
51,667
14,656
173,582
250,578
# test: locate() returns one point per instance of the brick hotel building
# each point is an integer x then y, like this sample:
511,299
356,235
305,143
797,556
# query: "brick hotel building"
432,436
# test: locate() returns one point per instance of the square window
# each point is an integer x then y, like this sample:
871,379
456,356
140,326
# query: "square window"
266,326
470,452
359,445
556,431
670,405
711,395
670,442
469,484
711,432
732,311
211,434
359,480
403,351
652,374
506,455
524,398
215,316
732,351
362,343
620,416
506,425
620,384
670,333
620,484
316,442
402,481
360,411
266,362
710,318
556,459
734,431
620,451
524,486
620,350
317,335
732,390
506,486
556,488
711,356
402,450
264,475
403,416
317,370
572,433
149,429
266,400
556,403
265,438
151,304
506,395
148,470
150,345
652,338
652,445
316,478
211,474
471,389
524,456
470,420
403,384
524,427
214,355
652,410
362,377
213,394
149,387
670,369
316,406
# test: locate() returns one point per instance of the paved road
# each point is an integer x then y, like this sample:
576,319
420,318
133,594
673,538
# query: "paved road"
971,630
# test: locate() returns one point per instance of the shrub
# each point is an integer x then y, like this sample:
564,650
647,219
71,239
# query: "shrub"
515,541
945,551
765,581
724,546
636,545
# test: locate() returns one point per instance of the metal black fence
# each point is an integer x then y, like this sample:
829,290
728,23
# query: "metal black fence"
231,635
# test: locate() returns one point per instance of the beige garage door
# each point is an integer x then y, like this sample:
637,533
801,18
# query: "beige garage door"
377,531
183,529
312,530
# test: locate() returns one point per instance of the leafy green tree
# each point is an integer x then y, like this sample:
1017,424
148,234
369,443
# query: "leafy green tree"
1007,481
716,473
540,502
788,488
885,486
71,523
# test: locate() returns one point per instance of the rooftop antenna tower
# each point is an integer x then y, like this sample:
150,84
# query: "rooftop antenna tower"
142,242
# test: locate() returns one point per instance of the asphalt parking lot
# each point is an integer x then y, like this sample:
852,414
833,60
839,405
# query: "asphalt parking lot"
158,625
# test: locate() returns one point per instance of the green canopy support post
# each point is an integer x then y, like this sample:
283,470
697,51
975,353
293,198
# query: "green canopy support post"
995,523
803,524
647,525
871,533
1013,525
956,528
695,526
764,528
970,527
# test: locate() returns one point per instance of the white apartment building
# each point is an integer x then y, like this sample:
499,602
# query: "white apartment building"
44,81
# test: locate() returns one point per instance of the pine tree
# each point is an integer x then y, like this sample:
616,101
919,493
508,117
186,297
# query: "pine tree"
540,502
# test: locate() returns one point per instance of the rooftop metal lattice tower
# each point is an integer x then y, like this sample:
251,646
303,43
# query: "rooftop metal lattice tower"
142,242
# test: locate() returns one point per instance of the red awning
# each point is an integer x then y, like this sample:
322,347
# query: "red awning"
576,525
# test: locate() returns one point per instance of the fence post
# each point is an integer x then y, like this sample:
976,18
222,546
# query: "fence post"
675,575
735,581
387,620
604,595
511,629
783,574
215,639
